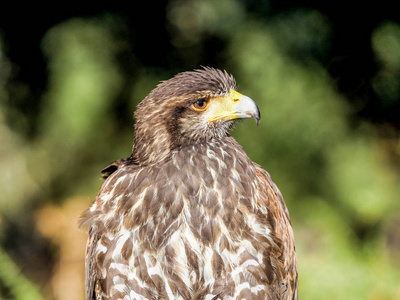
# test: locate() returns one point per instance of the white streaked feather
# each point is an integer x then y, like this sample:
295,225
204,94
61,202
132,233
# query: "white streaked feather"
249,262
136,296
209,297
208,267
120,240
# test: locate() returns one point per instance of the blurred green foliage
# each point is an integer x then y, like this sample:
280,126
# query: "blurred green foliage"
339,180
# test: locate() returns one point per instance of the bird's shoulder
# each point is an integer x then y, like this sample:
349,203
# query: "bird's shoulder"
116,165
282,233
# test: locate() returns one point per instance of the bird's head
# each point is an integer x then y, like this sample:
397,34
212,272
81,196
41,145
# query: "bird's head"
192,107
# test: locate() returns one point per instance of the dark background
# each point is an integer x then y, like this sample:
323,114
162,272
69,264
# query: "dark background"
349,58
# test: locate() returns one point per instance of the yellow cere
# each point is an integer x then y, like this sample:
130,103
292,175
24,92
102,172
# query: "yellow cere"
225,107
235,96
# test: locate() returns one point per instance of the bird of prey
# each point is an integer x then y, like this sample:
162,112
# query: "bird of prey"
188,215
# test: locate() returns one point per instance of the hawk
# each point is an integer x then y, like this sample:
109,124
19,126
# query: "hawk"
188,215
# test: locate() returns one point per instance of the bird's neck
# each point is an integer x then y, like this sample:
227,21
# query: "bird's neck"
150,147
158,145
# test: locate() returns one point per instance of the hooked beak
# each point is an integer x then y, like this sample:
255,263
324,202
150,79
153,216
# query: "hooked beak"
235,106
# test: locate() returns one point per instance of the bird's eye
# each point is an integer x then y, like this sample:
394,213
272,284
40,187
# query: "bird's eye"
200,104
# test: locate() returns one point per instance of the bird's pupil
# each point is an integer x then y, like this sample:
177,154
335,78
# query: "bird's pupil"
200,104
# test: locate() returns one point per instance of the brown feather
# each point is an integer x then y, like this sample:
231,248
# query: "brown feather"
186,218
